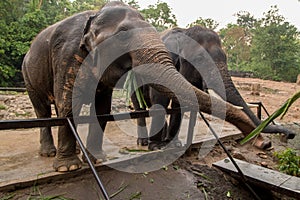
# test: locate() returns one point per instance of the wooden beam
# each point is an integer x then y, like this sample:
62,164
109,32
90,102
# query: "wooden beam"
263,177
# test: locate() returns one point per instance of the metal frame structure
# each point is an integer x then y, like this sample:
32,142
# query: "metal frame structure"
68,121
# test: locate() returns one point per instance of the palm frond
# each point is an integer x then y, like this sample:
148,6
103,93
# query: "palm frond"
281,111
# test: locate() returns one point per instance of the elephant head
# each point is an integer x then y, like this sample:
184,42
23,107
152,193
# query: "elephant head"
212,44
121,31
175,40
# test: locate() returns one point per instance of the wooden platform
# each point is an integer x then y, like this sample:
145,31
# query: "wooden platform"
263,177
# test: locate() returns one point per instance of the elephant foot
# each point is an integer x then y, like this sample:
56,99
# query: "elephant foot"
97,159
48,151
156,145
67,164
175,143
142,141
261,143
77,149
288,136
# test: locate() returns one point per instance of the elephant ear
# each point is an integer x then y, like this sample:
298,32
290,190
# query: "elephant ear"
171,39
85,31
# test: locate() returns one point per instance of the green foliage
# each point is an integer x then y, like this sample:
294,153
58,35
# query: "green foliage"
21,21
289,162
208,23
2,107
8,196
131,86
82,5
236,44
275,45
160,16
246,20
268,47
281,111
133,4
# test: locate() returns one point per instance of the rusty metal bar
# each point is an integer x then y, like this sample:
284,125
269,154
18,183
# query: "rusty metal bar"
31,123
261,105
13,89
46,122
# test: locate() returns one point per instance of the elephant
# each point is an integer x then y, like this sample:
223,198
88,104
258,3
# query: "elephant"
160,133
80,60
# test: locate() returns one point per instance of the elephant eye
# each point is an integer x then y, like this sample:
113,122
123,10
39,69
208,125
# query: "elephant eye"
123,28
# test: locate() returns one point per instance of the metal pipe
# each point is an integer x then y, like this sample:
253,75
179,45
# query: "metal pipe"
88,159
244,179
46,122
192,123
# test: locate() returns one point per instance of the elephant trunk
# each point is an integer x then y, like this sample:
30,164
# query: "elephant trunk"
156,68
234,97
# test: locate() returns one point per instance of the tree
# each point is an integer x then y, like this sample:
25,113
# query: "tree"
275,48
11,11
83,5
245,20
208,23
237,46
160,16
21,21
236,40
133,4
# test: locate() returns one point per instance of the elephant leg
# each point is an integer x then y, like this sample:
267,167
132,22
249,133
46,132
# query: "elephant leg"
159,127
66,159
174,126
95,135
42,108
141,123
234,97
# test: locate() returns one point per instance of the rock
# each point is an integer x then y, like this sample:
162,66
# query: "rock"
262,155
264,164
238,155
255,89
298,79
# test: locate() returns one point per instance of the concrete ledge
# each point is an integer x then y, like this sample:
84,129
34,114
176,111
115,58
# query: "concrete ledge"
263,177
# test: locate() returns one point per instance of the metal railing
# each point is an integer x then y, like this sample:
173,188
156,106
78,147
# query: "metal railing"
68,121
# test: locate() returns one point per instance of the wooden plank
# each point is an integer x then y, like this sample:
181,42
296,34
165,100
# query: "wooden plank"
292,184
263,177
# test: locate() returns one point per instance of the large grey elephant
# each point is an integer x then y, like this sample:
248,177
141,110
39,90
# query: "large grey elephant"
67,59
175,40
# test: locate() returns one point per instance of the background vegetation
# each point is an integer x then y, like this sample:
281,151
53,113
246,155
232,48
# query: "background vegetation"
269,47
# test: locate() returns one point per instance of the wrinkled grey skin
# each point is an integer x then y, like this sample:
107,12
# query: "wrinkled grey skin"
210,41
51,65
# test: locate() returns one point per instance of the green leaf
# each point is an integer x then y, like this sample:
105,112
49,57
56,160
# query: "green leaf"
290,102
281,111
131,84
228,194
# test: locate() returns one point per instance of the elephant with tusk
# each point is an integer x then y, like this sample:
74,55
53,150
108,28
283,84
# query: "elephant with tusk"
176,41
81,59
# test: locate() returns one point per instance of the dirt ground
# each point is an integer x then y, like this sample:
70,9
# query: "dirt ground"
189,177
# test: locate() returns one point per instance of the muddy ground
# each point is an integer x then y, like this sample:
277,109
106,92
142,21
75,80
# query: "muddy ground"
190,177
